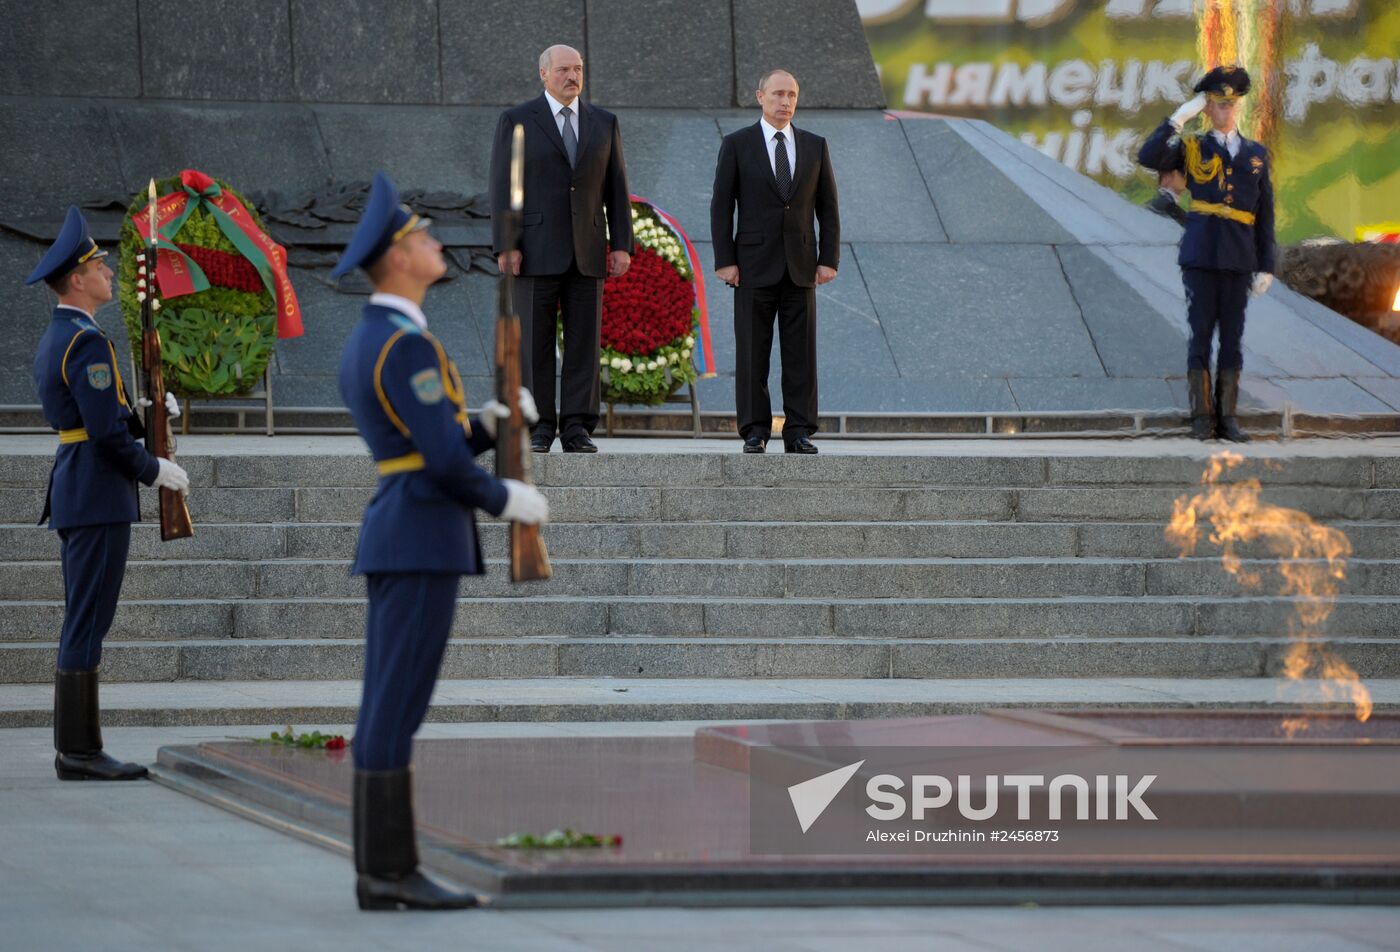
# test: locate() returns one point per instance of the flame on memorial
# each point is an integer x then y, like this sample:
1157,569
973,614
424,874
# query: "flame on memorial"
1247,33
1308,558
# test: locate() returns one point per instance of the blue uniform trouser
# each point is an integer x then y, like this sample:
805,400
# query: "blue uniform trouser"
410,618
94,563
1215,299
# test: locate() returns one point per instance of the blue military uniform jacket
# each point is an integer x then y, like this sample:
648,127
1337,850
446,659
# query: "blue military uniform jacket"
99,459
407,400
1231,222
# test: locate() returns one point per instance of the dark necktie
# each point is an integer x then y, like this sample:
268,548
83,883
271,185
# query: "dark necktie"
781,168
570,140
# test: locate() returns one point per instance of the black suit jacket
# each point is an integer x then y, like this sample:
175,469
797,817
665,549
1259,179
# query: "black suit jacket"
773,233
565,208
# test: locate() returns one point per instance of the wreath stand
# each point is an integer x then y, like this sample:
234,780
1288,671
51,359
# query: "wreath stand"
689,397
264,397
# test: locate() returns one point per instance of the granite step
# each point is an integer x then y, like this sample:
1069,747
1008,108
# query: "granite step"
309,704
739,540
766,578
672,657
752,504
730,617
1006,468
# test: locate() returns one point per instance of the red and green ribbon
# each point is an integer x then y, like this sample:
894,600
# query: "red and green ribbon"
178,274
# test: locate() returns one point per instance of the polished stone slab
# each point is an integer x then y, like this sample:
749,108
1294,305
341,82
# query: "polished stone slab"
1244,810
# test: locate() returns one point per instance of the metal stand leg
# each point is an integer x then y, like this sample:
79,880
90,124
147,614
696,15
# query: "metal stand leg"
267,397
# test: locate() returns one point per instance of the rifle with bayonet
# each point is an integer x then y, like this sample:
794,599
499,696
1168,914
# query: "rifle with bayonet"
529,561
175,520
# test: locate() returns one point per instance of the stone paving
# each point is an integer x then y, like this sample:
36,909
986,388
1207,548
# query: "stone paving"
136,867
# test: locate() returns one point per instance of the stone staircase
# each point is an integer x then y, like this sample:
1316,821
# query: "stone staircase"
711,565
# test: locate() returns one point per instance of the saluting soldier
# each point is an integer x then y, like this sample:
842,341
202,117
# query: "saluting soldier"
419,533
92,499
1227,250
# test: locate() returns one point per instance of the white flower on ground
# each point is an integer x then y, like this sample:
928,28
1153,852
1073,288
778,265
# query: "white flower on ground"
685,354
661,361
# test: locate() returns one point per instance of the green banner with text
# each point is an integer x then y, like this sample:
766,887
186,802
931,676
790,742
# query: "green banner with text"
1085,80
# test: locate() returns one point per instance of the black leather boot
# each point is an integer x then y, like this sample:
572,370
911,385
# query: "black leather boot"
386,850
77,732
1202,413
1227,395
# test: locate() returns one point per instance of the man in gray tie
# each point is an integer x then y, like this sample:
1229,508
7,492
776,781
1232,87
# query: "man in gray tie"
576,230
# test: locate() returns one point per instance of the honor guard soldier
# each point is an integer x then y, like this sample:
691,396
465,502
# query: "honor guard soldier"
1227,250
419,533
91,500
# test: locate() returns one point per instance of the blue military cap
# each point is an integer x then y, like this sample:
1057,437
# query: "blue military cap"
72,247
385,221
1225,82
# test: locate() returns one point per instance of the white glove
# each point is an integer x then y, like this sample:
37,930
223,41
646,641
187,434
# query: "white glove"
172,406
493,410
1261,283
171,476
524,504
1188,110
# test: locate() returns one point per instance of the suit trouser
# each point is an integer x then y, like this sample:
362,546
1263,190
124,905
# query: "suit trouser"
580,299
796,311
1215,299
410,618
94,563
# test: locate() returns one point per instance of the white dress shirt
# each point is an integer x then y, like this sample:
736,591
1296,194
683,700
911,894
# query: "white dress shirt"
1230,142
71,307
403,305
789,140
554,107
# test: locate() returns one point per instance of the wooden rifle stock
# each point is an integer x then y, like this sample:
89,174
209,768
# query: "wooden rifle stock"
529,560
175,520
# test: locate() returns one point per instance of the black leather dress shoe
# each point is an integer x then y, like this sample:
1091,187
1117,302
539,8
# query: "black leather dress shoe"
754,445
578,443
409,891
540,443
95,766
800,445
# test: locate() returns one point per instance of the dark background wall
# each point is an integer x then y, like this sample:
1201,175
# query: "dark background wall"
661,53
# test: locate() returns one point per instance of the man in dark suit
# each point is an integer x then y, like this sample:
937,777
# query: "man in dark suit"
577,207
781,179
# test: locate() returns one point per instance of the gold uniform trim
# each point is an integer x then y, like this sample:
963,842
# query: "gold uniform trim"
116,367
1201,170
63,367
451,388
407,227
90,252
76,435
409,463
379,382
1223,211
